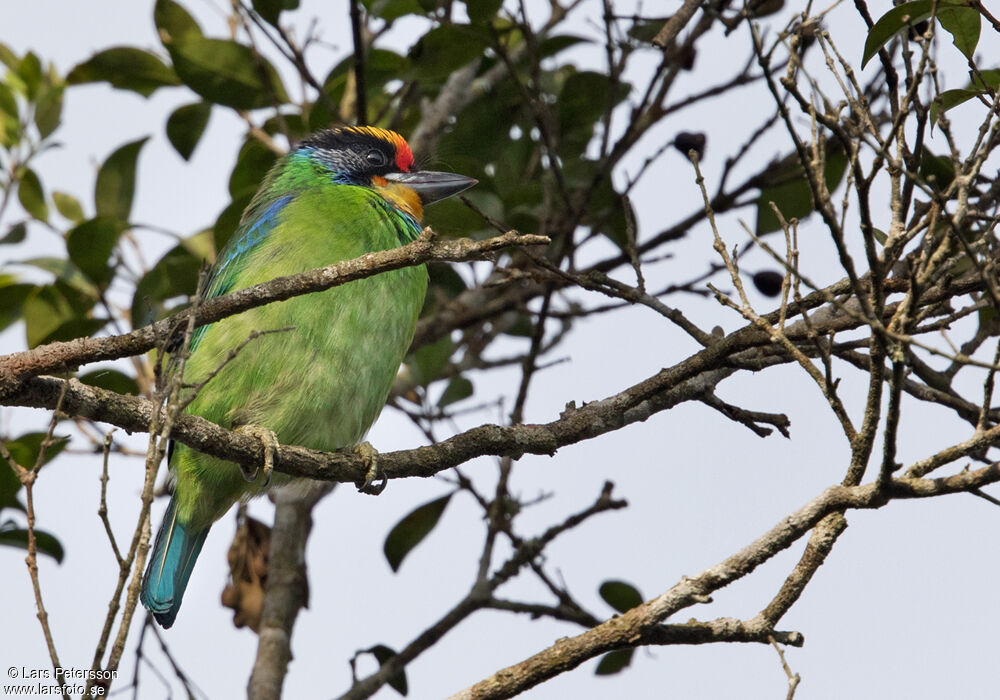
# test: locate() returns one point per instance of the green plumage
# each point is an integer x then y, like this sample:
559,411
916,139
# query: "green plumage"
323,384
341,194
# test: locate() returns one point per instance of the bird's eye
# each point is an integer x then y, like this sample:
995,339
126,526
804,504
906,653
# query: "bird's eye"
375,158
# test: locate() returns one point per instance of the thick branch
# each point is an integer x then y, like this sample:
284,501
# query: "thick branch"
62,356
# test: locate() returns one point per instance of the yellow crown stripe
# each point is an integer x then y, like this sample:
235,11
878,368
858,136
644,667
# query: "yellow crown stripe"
384,134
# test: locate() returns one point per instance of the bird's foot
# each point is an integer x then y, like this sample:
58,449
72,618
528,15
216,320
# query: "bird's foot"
369,457
270,442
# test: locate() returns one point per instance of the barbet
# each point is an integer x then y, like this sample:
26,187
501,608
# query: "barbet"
337,195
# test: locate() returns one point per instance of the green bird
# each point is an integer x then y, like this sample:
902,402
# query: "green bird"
337,195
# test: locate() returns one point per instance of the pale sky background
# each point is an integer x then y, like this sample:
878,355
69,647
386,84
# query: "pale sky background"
902,608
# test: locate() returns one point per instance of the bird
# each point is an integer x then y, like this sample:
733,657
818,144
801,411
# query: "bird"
322,381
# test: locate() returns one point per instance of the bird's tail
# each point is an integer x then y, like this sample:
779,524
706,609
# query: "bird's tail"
174,554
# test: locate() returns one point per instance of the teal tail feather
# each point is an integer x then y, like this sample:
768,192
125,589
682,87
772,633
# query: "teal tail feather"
170,565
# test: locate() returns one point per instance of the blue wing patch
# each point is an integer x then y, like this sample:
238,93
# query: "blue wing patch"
223,274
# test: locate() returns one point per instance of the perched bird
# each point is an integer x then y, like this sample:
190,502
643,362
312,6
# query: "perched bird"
337,195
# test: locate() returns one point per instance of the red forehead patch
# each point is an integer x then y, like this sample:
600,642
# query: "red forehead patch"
404,156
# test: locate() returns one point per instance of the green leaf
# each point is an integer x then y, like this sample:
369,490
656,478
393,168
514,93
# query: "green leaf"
8,57
174,275
186,125
252,163
983,82
58,311
227,73
229,219
444,49
8,103
25,449
31,195
986,80
48,110
551,45
791,193
583,100
397,682
952,15
116,182
458,388
964,24
112,380
989,321
12,298
937,171
429,360
174,23
270,9
620,595
891,23
126,68
391,10
90,244
15,234
9,486
948,99
29,70
614,662
69,206
482,10
412,529
646,30
45,543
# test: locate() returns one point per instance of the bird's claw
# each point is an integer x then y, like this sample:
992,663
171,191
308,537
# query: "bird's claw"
369,457
270,443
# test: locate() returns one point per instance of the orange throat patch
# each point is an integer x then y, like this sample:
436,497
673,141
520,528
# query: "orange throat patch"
400,196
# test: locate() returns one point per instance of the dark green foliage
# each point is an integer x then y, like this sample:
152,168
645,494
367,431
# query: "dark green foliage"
620,595
391,10
58,311
937,171
458,388
227,73
981,85
382,653
90,244
13,536
25,450
614,662
12,298
482,10
955,16
252,164
790,191
69,206
112,380
186,125
126,68
271,9
428,361
116,182
437,53
176,274
15,234
411,530
174,23
31,196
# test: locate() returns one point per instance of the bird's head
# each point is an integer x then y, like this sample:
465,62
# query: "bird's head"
379,159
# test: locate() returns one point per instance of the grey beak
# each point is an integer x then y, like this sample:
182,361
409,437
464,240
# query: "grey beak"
432,186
